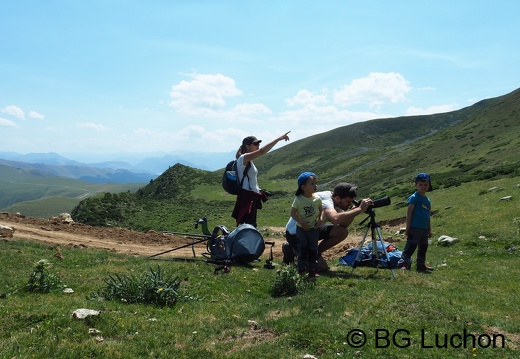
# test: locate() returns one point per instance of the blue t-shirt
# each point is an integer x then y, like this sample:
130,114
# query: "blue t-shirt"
421,211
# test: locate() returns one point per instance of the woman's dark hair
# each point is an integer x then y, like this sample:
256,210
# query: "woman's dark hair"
241,150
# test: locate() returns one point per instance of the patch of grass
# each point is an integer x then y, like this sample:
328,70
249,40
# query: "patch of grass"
154,287
234,315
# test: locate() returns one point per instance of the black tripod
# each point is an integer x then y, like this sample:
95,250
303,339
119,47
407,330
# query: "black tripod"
374,260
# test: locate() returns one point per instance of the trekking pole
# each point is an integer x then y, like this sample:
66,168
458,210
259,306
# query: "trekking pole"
174,249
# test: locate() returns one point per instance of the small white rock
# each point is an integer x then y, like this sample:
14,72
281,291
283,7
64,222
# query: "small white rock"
446,240
83,313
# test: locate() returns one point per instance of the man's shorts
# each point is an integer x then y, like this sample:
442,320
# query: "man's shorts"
324,234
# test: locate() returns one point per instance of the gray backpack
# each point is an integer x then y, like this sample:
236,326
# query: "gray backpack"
243,245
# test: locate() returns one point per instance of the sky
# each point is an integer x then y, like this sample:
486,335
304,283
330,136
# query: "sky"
111,78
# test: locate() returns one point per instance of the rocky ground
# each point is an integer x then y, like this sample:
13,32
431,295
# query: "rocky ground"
57,232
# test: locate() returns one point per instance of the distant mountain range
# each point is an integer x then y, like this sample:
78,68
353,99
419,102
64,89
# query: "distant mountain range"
111,171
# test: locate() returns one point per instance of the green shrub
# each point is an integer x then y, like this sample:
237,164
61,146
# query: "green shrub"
41,279
153,287
289,282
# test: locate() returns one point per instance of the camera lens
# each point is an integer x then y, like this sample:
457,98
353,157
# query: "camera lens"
381,202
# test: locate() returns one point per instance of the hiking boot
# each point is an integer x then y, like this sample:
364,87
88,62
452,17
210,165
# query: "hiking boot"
322,265
288,255
425,268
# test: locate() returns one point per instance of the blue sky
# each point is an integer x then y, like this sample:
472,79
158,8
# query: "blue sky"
111,77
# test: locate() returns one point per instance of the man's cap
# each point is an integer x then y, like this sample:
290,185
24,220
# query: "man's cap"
424,177
301,180
344,189
249,140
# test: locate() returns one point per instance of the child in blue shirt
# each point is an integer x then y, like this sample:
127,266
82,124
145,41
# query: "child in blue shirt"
307,211
418,226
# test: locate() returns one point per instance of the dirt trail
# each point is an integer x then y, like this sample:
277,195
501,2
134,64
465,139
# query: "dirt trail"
58,233
55,232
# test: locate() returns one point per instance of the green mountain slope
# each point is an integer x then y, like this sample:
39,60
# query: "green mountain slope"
382,156
473,143
40,194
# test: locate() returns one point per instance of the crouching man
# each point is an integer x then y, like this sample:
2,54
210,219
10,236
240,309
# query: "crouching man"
339,214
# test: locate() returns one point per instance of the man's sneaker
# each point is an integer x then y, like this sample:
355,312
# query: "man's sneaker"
322,265
288,255
425,268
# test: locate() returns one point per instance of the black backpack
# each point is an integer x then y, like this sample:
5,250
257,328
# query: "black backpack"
230,179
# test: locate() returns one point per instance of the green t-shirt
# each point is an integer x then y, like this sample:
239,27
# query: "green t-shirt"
308,208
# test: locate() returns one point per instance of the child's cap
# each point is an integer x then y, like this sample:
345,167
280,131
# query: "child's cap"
424,177
301,180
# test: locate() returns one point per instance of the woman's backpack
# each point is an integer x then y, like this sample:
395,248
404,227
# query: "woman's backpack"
230,181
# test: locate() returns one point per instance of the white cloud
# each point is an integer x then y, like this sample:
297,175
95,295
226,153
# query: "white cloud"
413,111
203,93
14,111
36,115
17,112
249,109
93,126
319,115
375,90
191,130
6,123
205,96
305,97
192,138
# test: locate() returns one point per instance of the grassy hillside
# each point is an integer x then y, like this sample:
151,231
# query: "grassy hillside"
45,207
40,194
471,294
54,164
475,144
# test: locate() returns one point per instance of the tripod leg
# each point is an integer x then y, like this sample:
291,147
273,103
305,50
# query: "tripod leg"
380,236
375,257
359,250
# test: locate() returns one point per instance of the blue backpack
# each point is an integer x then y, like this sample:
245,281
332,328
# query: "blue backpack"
394,255
230,181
